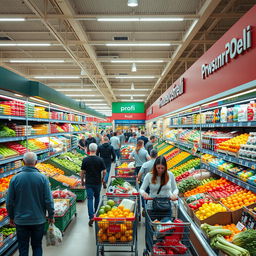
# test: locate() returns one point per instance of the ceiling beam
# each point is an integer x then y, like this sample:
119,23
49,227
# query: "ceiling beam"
204,13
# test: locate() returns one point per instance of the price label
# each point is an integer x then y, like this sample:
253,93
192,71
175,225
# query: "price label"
114,228
247,187
240,226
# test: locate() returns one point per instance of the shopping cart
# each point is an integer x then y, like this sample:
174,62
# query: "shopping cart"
125,192
119,234
165,234
125,172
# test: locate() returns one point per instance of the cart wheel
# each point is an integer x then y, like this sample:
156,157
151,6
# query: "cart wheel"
102,251
76,214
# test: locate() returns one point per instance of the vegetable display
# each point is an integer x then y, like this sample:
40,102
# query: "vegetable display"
119,186
188,184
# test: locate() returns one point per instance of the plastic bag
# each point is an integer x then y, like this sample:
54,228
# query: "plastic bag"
53,236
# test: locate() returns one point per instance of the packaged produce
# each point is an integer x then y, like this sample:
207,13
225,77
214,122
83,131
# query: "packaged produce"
119,186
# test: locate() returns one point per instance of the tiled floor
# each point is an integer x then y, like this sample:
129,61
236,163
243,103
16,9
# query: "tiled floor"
79,238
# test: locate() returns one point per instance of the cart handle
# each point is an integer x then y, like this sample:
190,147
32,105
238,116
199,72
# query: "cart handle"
122,194
114,219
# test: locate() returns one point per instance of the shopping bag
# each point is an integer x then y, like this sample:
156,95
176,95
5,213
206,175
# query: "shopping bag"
53,235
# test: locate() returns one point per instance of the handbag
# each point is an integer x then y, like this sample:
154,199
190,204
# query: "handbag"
161,204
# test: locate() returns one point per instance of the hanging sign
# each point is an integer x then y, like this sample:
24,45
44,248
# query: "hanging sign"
232,49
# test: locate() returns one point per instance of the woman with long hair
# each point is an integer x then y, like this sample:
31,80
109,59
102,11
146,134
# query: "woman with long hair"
139,155
159,177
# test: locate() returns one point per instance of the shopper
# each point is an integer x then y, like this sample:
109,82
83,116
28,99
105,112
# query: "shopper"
107,153
98,139
133,139
115,142
121,137
143,137
147,166
159,177
151,142
127,135
93,171
88,141
140,155
29,197
138,132
81,143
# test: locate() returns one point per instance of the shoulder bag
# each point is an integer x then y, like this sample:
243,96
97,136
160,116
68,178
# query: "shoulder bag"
161,204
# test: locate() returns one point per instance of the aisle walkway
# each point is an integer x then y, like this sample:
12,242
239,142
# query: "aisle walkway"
79,238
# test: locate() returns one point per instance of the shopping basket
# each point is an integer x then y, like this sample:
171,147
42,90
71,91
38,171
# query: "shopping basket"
165,234
118,233
111,191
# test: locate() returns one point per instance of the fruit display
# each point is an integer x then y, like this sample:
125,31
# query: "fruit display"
193,163
233,145
48,169
67,164
196,174
188,184
12,108
239,199
233,228
225,191
177,159
4,184
60,206
192,136
38,129
164,150
71,181
171,134
6,152
7,231
76,158
172,153
6,132
16,147
10,166
248,150
126,150
120,186
200,202
3,213
207,210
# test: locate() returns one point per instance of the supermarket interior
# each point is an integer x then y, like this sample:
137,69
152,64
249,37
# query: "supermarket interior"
128,127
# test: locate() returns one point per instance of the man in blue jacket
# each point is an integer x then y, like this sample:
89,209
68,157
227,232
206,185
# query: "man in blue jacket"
29,197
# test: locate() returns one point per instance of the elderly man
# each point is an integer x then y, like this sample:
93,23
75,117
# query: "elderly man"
91,176
29,197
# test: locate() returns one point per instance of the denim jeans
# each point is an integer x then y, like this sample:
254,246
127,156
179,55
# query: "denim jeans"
117,152
27,232
108,168
93,192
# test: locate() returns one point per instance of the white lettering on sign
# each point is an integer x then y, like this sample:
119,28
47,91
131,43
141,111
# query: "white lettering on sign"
175,92
150,111
232,49
130,108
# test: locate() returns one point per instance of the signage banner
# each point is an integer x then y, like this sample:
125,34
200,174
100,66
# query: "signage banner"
226,65
128,107
129,121
133,116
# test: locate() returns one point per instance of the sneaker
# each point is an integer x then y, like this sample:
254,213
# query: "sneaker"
91,222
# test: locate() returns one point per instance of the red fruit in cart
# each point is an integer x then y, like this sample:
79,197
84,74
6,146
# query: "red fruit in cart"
112,239
118,235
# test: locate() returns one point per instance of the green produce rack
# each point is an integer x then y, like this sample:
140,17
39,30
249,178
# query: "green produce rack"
168,151
164,146
67,171
182,162
81,152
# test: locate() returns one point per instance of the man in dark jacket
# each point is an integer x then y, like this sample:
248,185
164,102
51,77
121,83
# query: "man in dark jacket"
88,141
143,137
29,198
107,153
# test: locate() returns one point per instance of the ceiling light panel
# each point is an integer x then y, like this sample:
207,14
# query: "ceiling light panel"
74,90
11,19
24,44
135,77
36,61
136,61
57,77
138,44
135,95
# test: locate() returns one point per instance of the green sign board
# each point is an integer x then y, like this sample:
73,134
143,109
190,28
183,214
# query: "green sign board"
128,107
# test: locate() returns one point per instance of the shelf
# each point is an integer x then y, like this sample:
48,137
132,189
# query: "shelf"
11,172
12,117
7,245
10,159
229,177
8,139
2,200
232,159
212,125
4,222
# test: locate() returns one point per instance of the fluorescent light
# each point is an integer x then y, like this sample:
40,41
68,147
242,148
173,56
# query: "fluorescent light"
57,77
23,44
132,86
36,61
79,95
134,77
138,44
36,99
132,3
132,89
137,100
74,90
118,19
131,97
134,68
136,61
91,100
126,95
18,95
96,104
161,19
12,19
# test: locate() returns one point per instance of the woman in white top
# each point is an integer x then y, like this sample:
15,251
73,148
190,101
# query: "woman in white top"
159,176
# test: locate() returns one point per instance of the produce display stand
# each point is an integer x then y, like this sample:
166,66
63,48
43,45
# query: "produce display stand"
9,245
116,225
133,181
81,152
161,237
125,172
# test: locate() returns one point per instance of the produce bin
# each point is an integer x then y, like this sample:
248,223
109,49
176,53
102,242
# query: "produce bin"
81,152
72,209
67,172
182,162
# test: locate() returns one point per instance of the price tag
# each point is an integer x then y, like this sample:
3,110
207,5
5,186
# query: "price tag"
113,228
247,187
240,226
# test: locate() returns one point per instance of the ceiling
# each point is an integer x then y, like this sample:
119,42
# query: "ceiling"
75,47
